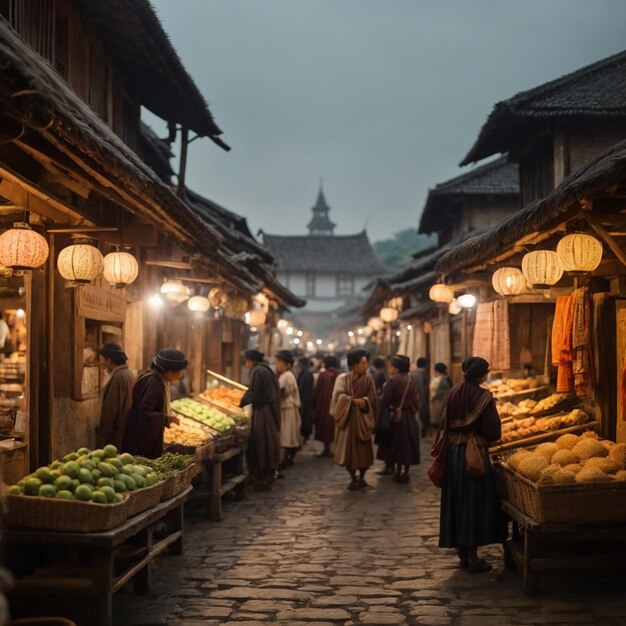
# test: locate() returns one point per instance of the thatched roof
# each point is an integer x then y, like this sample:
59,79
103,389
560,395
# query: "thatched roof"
597,91
498,178
606,170
423,310
143,53
155,152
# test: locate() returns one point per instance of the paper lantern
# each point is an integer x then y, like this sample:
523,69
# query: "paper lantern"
21,248
508,281
375,323
257,318
175,292
542,268
580,253
454,308
218,297
467,300
120,269
81,263
236,307
441,293
388,314
199,304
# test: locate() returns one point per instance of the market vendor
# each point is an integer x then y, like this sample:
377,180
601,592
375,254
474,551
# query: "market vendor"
264,451
116,394
149,413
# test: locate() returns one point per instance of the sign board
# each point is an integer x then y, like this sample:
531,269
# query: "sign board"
98,303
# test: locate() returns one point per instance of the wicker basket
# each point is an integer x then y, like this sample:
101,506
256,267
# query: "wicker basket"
141,500
177,482
64,515
169,487
223,443
205,451
242,434
587,503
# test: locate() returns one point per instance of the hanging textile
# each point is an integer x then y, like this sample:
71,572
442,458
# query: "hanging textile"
581,342
482,345
501,346
562,343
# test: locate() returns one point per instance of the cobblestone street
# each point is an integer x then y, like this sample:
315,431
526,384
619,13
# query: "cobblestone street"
310,552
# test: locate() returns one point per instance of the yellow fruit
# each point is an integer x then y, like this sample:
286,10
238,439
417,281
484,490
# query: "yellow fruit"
547,475
514,460
618,453
574,468
547,450
591,475
621,475
608,466
563,477
589,434
588,447
564,457
532,466
567,442
607,444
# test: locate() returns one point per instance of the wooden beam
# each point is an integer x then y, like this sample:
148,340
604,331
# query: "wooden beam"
176,265
604,234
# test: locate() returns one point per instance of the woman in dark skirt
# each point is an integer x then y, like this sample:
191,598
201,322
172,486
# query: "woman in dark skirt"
404,448
470,507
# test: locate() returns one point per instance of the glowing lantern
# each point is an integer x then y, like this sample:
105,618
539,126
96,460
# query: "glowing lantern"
467,300
542,268
257,318
454,308
580,253
375,323
388,314
218,297
236,307
508,281
80,263
199,304
175,292
441,293
21,248
120,268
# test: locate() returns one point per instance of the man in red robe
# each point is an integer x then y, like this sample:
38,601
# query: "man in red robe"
322,394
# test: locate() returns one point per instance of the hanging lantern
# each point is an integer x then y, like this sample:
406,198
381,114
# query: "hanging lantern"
236,307
120,268
81,263
441,293
508,281
199,304
580,253
467,300
454,308
388,314
542,268
21,248
375,323
218,297
175,292
257,318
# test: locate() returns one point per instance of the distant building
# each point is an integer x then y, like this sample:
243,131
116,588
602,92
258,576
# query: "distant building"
325,269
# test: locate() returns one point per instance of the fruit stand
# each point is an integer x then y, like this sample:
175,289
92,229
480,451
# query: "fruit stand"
567,501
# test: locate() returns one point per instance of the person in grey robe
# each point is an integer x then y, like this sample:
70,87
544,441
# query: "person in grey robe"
422,382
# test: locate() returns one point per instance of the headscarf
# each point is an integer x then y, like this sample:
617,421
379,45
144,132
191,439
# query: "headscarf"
475,367
355,356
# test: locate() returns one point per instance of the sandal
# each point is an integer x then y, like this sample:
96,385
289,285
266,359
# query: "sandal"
478,566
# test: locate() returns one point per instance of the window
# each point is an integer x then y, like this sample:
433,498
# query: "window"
310,284
345,285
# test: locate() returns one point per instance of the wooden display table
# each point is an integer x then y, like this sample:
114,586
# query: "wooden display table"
537,548
116,556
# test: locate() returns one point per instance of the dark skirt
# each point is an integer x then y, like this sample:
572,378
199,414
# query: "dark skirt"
470,507
405,441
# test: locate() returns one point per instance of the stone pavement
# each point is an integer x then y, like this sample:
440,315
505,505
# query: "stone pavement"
310,552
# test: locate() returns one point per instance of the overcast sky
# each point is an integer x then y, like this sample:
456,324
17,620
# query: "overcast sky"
382,98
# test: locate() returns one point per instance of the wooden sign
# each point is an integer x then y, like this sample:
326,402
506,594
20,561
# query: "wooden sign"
98,303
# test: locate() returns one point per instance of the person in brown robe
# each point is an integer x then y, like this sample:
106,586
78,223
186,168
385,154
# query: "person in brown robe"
322,395
354,407
149,413
264,451
116,395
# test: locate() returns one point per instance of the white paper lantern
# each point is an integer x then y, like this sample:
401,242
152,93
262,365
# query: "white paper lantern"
175,292
542,268
441,293
454,308
81,263
21,248
467,300
257,318
375,323
218,297
508,281
199,304
388,314
120,269
580,253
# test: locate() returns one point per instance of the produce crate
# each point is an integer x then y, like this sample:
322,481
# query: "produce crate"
223,443
177,482
586,503
204,452
64,515
141,500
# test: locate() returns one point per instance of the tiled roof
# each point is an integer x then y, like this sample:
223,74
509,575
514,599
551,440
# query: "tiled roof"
350,254
595,91
497,177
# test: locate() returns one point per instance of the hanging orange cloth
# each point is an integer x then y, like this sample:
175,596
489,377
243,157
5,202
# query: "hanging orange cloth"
581,342
562,343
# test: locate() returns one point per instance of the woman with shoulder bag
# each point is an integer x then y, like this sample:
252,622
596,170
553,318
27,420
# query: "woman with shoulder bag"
470,507
400,400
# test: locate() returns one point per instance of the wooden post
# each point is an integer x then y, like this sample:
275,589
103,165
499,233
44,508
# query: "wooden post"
183,162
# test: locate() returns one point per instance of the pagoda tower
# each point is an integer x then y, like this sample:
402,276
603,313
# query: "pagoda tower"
320,224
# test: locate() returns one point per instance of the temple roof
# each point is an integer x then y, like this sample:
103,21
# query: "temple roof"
320,223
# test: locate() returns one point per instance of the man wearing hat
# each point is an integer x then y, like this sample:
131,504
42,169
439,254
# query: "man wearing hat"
263,454
116,394
290,419
149,413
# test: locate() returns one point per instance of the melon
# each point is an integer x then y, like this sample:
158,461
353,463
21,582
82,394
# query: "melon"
563,477
588,447
591,475
547,450
618,453
564,457
607,465
514,460
567,442
621,475
573,467
532,466
547,475
589,434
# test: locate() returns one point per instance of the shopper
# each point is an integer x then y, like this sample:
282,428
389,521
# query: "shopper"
290,421
399,393
421,380
116,394
305,387
379,374
470,509
322,395
149,414
440,384
354,407
263,454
